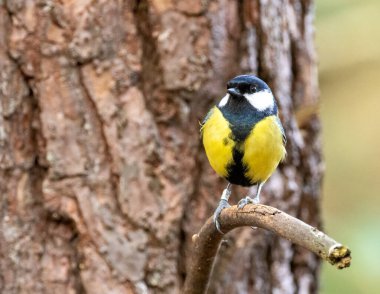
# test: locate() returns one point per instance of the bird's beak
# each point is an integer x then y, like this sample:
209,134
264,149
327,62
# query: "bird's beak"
234,92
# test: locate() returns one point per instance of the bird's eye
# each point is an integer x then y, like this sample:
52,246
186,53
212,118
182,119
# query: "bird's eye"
252,88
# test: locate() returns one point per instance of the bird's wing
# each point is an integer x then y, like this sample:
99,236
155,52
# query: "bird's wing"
282,129
206,119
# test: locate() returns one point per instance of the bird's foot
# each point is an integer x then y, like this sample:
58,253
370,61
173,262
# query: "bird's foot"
246,200
223,203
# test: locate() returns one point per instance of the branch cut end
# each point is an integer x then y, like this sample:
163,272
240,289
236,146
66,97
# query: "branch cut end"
206,242
340,256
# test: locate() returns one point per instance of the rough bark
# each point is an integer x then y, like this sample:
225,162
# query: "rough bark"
207,241
103,179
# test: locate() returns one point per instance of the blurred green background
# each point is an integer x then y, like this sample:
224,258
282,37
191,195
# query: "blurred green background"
348,44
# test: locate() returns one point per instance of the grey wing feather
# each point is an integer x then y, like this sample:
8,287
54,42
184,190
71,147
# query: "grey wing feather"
205,120
207,116
282,129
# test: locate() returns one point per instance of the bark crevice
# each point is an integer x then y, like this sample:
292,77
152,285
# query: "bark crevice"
139,75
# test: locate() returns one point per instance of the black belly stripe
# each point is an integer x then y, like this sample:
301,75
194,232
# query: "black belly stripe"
242,118
236,170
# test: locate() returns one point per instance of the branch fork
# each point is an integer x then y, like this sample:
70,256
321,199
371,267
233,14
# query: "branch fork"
206,242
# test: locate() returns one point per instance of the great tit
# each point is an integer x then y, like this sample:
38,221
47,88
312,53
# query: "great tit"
243,138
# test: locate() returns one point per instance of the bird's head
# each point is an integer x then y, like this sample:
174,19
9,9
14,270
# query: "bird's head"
248,88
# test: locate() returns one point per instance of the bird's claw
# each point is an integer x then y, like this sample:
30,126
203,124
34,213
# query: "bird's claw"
222,205
246,200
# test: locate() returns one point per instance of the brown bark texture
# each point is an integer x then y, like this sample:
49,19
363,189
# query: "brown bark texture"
103,179
207,242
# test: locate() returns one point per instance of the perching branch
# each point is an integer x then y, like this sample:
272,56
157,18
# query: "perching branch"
206,242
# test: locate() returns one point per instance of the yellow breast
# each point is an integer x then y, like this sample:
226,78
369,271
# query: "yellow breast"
263,149
217,142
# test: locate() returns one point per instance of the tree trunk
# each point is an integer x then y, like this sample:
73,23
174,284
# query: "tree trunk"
103,177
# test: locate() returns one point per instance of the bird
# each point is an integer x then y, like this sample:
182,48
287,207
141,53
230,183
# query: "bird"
243,138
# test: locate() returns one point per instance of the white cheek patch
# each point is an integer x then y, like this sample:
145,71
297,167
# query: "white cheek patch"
224,100
261,100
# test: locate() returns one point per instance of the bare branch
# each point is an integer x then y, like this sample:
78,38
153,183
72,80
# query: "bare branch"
206,242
